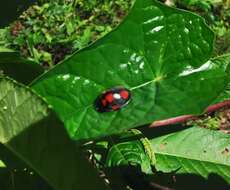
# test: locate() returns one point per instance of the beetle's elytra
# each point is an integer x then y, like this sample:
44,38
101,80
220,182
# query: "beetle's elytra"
112,100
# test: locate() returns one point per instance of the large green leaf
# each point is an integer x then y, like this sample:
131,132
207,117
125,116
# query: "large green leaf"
17,67
158,52
30,130
196,151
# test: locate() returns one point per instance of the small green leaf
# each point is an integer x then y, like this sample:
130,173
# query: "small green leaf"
129,153
69,27
2,165
159,53
195,151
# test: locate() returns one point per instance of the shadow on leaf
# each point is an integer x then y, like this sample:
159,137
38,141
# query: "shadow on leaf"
131,176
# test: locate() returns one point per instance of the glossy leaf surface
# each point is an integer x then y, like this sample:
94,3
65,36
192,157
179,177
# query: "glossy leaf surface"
159,53
30,130
194,151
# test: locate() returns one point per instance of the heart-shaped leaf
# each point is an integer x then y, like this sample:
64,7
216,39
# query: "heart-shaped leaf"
158,53
30,130
196,151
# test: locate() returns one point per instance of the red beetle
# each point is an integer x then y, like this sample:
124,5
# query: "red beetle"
112,99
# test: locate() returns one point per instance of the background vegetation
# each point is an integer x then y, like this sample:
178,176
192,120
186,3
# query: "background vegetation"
49,31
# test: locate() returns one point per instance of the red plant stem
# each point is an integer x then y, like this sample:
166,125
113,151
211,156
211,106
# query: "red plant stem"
218,106
184,118
173,120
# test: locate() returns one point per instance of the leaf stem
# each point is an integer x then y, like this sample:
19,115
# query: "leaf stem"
184,118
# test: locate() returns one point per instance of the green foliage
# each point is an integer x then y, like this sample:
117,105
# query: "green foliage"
217,15
195,151
209,123
162,59
134,153
201,4
160,53
129,153
25,120
49,32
